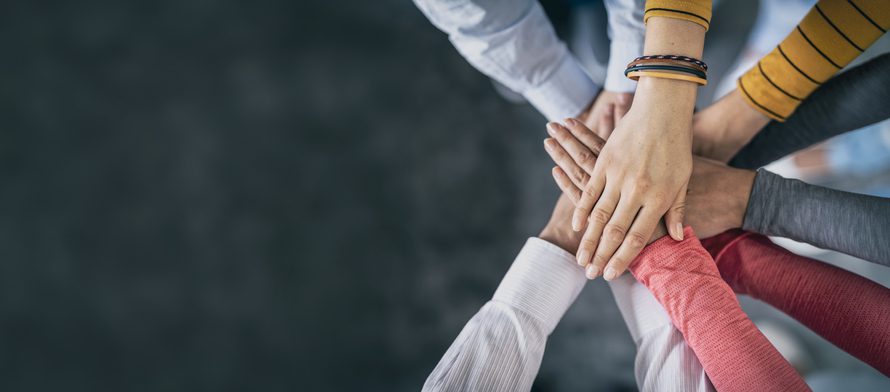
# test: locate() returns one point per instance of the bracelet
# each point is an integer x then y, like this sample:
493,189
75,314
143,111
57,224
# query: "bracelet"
667,62
667,75
674,68
668,67
674,57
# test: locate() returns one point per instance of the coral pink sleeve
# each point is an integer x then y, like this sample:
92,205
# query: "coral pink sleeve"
735,355
846,309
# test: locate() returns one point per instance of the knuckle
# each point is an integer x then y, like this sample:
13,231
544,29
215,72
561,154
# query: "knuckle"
585,158
642,184
578,174
600,216
660,198
636,240
597,146
599,260
615,232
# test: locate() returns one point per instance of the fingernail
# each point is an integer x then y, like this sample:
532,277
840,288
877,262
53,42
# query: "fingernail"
551,128
582,258
592,271
678,230
570,121
611,273
547,145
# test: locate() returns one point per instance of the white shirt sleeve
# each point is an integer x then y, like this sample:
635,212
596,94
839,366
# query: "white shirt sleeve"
664,361
627,33
513,42
501,347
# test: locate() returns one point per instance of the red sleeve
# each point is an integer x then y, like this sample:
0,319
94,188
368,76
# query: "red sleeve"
735,355
846,309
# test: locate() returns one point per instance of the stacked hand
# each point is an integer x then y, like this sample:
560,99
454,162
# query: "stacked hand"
722,129
717,195
606,110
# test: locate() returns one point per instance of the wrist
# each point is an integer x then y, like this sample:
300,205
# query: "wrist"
743,120
564,238
743,183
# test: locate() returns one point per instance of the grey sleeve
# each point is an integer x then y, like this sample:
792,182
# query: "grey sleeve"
851,223
849,101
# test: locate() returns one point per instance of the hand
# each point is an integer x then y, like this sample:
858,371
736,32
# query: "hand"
559,229
717,197
643,173
606,110
722,129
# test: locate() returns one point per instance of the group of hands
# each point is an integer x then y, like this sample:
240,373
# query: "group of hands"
615,194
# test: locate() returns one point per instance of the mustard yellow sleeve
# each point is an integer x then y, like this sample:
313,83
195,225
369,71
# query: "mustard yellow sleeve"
828,38
696,11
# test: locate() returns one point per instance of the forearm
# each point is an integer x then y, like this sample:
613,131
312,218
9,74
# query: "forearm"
829,37
844,308
515,44
852,100
501,347
664,360
668,99
851,223
735,355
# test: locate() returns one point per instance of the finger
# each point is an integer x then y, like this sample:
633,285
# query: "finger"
568,188
581,154
592,191
644,225
586,136
607,122
673,219
591,238
622,106
563,160
615,231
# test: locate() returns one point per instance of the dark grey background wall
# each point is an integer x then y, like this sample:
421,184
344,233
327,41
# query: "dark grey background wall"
268,195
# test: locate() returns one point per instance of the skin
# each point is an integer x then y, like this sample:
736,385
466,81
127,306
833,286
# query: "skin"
605,111
717,194
629,193
721,130
558,230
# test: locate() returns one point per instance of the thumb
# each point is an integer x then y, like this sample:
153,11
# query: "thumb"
673,219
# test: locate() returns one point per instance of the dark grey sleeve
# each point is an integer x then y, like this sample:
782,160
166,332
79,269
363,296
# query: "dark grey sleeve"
851,223
849,101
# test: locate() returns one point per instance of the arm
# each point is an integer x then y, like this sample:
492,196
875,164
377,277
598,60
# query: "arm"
844,308
847,222
628,194
514,43
664,361
626,33
852,100
723,198
501,347
829,37
733,352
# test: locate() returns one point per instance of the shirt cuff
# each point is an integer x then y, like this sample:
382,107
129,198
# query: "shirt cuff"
640,309
543,282
622,53
566,93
